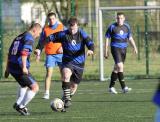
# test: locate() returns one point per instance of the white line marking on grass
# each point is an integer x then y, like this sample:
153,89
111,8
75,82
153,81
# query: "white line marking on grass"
57,118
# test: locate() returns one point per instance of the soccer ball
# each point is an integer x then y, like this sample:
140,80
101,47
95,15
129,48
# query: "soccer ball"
57,105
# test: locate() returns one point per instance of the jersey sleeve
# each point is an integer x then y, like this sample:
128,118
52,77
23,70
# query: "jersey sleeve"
88,41
28,46
40,44
108,32
56,37
129,30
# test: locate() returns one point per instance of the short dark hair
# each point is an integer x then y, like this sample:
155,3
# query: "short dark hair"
51,14
35,25
72,21
120,13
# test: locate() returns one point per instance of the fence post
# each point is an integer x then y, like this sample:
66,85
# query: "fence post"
139,44
73,8
1,43
146,39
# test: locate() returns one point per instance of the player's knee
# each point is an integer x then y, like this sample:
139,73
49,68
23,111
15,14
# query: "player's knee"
66,78
119,67
35,87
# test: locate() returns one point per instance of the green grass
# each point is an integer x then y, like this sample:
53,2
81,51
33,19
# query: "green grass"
92,103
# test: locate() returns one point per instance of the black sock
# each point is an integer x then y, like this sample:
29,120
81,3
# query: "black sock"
113,79
66,90
121,79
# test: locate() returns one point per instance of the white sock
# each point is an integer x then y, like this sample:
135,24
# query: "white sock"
20,94
28,97
47,92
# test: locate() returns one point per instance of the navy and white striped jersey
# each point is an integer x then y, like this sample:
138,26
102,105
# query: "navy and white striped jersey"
119,35
73,46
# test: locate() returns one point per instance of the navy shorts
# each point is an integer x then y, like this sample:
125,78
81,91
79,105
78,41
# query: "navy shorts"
24,80
77,72
119,54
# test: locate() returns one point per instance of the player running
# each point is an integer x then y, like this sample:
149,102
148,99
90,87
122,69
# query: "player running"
120,34
73,42
53,51
18,66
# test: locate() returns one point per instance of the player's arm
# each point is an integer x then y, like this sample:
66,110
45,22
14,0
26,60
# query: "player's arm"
24,55
41,41
90,46
132,42
55,37
106,48
89,43
40,46
6,74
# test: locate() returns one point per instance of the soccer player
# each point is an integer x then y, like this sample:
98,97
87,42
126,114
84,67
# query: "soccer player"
53,51
119,33
73,42
18,66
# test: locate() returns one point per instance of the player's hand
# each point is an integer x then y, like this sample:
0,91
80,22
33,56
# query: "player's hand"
106,55
6,73
90,52
25,71
37,52
60,50
135,51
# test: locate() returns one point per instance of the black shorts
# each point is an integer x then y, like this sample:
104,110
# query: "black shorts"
119,54
77,72
24,80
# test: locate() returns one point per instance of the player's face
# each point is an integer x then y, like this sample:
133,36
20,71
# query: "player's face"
52,20
38,32
120,19
73,28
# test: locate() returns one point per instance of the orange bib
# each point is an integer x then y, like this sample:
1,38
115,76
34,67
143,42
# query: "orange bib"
51,48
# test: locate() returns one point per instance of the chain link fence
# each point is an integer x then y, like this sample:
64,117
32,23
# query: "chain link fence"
17,15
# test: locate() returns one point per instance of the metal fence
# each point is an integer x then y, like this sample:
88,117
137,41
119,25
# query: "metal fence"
16,16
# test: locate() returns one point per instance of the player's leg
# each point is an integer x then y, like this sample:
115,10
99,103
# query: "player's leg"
28,80
20,94
76,79
114,74
49,71
120,67
66,72
49,63
74,87
21,91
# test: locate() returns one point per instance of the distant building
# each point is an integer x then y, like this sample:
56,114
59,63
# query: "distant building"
31,11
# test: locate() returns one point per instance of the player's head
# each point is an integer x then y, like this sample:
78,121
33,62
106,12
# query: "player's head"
35,30
120,18
73,25
51,18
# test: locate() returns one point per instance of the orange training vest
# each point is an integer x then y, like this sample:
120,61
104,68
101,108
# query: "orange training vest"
51,48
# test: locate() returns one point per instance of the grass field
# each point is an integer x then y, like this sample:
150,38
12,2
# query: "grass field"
92,103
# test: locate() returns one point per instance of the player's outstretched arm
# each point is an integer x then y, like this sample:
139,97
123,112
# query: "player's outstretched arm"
56,37
132,42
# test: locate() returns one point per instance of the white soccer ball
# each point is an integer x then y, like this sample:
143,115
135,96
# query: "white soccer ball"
57,105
